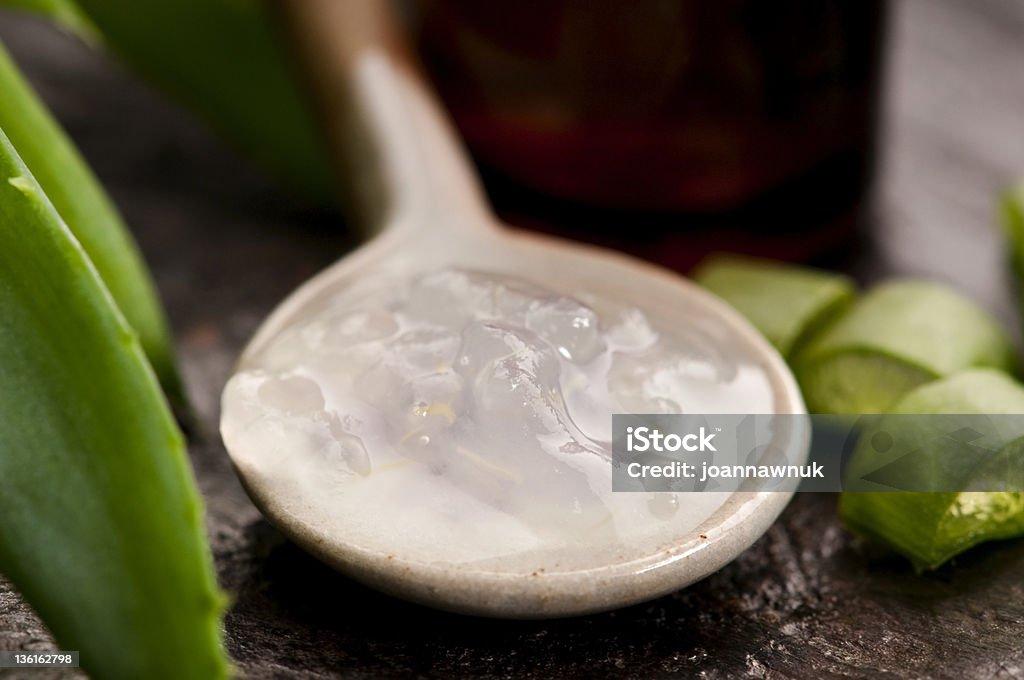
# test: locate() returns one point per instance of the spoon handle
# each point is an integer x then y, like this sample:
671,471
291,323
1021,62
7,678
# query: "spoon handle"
401,164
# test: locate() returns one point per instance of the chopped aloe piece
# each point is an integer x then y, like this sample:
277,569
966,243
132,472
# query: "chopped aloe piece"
900,335
101,526
788,304
931,527
89,213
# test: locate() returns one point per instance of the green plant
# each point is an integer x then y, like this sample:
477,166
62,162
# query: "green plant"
101,526
85,208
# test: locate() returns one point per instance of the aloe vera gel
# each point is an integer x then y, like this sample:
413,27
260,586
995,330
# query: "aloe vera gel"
466,417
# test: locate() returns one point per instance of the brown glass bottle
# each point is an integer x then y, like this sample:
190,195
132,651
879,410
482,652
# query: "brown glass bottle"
668,128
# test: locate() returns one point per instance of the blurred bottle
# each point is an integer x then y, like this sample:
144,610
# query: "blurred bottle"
668,128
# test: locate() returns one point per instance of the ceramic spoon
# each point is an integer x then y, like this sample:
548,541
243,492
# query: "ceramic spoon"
413,188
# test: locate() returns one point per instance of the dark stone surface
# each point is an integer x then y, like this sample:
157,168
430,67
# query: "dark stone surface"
807,601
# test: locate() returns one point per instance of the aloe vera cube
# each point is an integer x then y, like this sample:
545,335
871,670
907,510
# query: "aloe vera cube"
787,303
900,335
930,527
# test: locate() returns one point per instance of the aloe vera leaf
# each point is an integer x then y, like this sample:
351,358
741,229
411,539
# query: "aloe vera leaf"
89,213
101,526
900,335
788,304
930,527
224,59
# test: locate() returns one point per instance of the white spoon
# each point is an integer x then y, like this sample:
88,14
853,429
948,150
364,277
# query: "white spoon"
414,188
